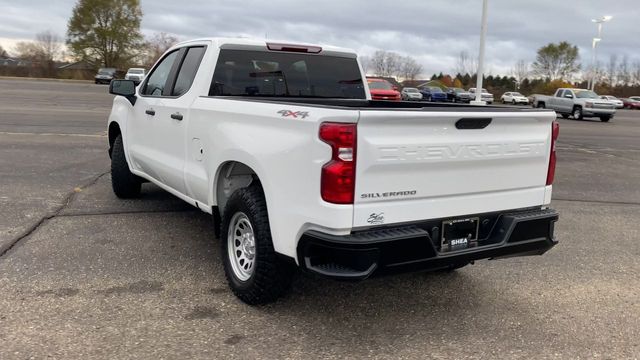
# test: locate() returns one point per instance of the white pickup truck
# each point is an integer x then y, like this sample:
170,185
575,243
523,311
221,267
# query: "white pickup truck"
579,103
283,145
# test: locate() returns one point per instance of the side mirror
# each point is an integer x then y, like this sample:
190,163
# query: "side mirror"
126,88
568,96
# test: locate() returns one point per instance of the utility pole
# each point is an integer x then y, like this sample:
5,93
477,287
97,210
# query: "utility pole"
480,75
594,57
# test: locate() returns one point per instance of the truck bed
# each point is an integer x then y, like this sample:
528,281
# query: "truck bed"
362,104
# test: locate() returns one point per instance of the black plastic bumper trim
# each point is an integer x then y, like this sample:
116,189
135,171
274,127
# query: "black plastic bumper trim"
359,255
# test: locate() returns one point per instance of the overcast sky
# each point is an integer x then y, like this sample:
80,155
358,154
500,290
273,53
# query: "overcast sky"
434,31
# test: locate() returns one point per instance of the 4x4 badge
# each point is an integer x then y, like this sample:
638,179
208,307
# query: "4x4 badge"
293,114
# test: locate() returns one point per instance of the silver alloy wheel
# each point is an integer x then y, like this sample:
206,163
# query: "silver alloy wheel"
241,246
577,113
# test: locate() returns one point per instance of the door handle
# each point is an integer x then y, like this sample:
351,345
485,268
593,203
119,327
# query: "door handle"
176,116
150,112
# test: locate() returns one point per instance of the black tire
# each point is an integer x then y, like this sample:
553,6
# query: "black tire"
125,184
577,113
540,105
513,102
565,116
271,277
605,118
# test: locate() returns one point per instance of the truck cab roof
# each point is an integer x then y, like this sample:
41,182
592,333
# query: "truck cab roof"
284,45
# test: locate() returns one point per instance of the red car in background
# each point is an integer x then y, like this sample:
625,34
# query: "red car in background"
383,90
631,103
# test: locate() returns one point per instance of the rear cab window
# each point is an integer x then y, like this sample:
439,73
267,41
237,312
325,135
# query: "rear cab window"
286,74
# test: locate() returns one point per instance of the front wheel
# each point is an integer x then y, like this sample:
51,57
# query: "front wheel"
577,113
255,273
605,118
125,184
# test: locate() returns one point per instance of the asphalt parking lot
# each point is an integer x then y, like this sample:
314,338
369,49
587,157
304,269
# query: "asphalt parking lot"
85,275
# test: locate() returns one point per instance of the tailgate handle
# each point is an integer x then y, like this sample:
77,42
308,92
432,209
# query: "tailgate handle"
473,123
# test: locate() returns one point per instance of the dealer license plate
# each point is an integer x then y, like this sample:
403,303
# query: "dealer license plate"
459,233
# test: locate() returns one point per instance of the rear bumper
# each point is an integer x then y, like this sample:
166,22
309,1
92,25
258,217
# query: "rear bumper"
417,247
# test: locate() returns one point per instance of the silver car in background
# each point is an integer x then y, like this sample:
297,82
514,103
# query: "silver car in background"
614,100
410,93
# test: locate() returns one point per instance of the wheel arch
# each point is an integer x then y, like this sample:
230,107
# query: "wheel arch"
114,131
230,176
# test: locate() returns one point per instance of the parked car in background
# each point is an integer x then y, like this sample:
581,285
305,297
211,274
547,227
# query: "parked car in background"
486,96
105,75
614,100
579,103
514,98
433,93
458,95
382,90
135,74
629,103
410,93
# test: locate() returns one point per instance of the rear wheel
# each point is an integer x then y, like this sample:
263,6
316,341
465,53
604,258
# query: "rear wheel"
255,273
124,183
540,105
577,113
605,118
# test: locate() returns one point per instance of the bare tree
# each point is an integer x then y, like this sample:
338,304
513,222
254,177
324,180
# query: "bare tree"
520,71
42,52
466,64
410,69
49,45
377,62
635,73
155,46
3,53
624,76
365,62
598,72
612,70
393,64
386,63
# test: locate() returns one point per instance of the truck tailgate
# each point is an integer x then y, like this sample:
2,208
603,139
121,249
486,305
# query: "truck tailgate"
417,165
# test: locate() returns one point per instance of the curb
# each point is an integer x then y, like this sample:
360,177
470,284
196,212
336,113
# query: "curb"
45,79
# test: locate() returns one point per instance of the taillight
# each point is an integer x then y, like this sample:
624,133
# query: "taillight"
337,182
555,131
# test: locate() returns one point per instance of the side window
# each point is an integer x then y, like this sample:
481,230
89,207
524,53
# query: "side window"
158,78
560,93
188,70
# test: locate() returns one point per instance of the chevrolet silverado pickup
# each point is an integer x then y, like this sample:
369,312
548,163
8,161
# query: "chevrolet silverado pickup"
299,168
579,103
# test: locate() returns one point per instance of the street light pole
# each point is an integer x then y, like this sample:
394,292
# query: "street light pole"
480,73
592,83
